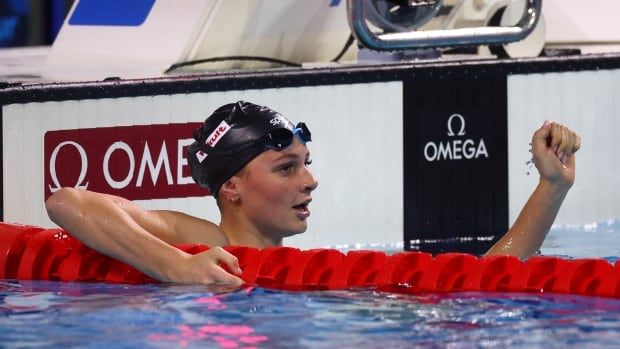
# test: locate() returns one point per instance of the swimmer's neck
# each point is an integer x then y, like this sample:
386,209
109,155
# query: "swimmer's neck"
242,233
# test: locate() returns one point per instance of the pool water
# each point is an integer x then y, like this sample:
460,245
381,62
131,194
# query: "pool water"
55,314
52,314
584,241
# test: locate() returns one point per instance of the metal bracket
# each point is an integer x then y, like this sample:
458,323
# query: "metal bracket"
441,38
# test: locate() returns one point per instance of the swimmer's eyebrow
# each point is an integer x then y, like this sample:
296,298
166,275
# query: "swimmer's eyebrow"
290,155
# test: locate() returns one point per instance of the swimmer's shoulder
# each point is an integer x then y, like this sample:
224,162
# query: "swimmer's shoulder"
193,230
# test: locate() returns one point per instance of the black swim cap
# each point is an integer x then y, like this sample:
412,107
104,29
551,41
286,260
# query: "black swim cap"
232,136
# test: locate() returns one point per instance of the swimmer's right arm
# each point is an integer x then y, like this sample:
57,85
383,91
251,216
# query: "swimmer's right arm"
122,230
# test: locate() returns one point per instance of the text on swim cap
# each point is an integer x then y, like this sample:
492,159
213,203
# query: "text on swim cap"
277,120
217,134
201,156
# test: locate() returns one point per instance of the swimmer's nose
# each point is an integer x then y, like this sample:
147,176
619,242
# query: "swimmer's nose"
310,183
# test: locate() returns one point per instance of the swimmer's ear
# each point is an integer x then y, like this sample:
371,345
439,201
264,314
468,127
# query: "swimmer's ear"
229,190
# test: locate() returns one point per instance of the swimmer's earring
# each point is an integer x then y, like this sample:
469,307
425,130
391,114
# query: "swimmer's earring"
233,200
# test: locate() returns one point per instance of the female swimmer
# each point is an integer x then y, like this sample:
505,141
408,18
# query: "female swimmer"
255,163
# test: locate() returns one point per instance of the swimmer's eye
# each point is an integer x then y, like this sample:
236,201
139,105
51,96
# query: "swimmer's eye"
286,168
308,162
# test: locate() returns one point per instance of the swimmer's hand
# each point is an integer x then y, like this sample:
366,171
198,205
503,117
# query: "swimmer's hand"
204,268
553,152
553,149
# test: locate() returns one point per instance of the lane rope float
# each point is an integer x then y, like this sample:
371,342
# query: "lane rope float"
34,253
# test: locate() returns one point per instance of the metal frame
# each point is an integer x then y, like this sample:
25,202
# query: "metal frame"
441,38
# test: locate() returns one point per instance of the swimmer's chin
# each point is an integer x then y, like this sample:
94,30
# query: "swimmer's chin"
302,229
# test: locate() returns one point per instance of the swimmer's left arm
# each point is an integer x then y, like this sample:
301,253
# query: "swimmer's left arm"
192,230
553,148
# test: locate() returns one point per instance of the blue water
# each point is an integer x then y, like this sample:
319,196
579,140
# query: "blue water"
51,314
37,314
584,241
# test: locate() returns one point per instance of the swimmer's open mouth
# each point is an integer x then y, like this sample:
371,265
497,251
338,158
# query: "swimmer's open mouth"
302,210
302,206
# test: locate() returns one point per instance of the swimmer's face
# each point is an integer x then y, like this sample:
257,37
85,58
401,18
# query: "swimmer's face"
275,190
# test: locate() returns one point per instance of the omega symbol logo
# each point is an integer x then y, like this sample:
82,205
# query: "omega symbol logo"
83,168
461,120
455,148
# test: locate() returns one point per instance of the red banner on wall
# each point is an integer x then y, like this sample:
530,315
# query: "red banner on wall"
136,162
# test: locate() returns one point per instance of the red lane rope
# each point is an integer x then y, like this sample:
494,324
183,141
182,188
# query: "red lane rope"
33,253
